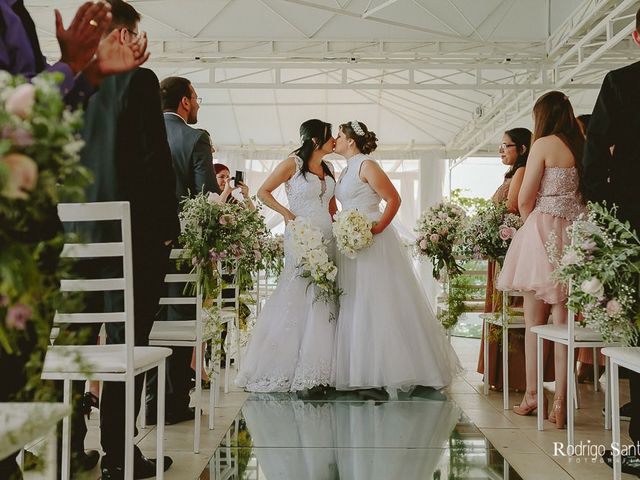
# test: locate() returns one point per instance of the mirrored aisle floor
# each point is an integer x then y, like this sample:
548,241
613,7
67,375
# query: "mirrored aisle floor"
344,437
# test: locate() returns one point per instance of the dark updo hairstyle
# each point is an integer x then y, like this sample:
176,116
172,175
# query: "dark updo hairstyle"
522,138
553,115
311,130
366,143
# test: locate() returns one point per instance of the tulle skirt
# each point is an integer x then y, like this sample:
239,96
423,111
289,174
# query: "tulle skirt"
387,335
527,267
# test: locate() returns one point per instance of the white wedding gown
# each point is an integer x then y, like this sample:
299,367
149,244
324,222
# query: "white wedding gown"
291,345
387,335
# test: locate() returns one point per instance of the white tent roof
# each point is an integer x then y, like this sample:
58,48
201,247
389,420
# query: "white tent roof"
446,74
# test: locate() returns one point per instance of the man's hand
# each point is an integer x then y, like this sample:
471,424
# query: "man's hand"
113,56
79,42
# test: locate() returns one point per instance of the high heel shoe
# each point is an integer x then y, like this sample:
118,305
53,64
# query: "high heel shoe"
530,405
89,400
559,412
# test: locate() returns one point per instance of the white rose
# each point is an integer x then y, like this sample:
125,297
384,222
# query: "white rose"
593,287
570,258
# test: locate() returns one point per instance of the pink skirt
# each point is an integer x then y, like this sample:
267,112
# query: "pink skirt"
527,267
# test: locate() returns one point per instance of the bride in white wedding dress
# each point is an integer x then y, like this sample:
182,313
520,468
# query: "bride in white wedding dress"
291,345
387,335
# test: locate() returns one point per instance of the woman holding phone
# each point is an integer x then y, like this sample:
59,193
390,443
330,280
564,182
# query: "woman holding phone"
224,179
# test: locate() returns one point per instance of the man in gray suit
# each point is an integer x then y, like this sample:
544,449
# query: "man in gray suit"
193,166
190,148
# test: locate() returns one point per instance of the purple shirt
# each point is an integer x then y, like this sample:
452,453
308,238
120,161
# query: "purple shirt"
17,56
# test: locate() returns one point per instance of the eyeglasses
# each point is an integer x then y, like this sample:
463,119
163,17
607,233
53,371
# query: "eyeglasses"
504,146
197,99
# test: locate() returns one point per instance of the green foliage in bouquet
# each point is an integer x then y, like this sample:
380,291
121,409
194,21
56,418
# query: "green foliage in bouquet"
39,167
457,295
438,233
215,232
603,266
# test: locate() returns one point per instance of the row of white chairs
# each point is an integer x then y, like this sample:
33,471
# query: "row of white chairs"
123,362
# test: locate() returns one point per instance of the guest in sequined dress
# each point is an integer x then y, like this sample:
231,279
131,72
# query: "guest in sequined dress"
549,201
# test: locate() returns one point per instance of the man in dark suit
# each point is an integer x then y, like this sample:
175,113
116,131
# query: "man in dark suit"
127,151
193,167
614,178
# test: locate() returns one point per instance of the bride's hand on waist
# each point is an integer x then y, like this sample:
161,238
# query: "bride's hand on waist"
288,217
377,228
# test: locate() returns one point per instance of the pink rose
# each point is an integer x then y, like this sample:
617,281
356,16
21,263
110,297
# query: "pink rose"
21,137
18,316
614,307
506,232
258,255
23,175
444,230
226,219
434,237
423,244
588,245
21,101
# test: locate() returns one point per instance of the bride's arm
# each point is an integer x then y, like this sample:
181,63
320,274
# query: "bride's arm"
283,172
371,173
333,206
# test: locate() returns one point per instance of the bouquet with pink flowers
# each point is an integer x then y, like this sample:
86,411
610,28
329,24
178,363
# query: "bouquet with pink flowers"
603,265
438,230
228,233
489,232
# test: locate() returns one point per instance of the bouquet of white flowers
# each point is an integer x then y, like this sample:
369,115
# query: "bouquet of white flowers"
312,259
603,264
352,230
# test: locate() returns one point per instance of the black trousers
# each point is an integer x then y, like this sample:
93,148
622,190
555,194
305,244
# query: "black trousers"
150,262
634,390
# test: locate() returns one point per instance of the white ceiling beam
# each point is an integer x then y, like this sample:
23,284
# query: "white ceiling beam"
436,33
466,20
284,19
370,11
213,17
514,106
437,18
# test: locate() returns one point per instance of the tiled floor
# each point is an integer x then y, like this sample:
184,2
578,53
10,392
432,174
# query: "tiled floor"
280,437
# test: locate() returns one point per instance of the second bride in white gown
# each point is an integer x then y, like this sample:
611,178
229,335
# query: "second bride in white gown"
387,335
291,345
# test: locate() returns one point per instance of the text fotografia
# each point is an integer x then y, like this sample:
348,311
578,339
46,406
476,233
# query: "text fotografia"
592,452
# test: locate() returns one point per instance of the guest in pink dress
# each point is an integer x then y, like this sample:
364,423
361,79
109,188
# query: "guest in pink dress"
549,201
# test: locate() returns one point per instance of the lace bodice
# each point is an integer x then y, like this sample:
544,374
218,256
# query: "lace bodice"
558,194
352,192
309,197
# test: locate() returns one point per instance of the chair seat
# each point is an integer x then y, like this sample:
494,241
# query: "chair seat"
561,332
630,356
98,359
182,330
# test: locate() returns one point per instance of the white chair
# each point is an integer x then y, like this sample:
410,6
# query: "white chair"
627,357
230,314
573,337
508,319
112,363
186,333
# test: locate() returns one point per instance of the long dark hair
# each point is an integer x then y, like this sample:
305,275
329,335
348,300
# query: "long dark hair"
522,138
553,115
311,130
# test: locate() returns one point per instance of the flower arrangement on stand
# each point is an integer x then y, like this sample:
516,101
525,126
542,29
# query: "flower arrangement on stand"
313,260
603,266
39,167
272,250
439,230
352,230
488,234
225,234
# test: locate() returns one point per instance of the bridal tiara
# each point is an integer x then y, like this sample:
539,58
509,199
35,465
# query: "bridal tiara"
357,129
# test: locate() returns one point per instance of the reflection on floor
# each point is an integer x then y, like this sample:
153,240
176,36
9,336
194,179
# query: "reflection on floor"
342,436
